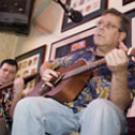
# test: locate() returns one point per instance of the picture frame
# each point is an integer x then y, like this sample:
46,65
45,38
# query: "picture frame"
72,44
29,64
131,39
133,32
125,2
89,10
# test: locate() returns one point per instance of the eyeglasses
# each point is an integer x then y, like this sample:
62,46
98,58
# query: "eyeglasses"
108,25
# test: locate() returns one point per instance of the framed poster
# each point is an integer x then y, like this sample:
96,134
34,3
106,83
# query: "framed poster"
122,5
125,2
72,44
133,31
29,63
131,39
88,8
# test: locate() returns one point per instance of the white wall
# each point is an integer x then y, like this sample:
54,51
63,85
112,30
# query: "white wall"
8,44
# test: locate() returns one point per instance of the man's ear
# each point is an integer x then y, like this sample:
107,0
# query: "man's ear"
123,36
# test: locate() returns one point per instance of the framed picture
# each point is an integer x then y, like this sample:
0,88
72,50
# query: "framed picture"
133,31
132,16
131,39
125,2
123,5
72,44
88,8
29,63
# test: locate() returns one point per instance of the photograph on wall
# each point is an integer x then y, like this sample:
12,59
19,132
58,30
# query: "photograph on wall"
72,44
131,39
30,62
125,2
125,5
89,9
133,31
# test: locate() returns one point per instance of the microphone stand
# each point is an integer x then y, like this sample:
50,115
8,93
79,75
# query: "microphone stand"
74,15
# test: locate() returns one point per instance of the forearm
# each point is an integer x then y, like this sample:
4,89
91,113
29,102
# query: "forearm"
120,94
16,98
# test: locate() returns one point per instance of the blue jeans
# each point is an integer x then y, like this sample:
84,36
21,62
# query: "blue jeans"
40,116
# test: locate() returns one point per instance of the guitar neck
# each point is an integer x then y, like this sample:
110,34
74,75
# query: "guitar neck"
89,66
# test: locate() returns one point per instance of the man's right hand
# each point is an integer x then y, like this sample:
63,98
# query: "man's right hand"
47,75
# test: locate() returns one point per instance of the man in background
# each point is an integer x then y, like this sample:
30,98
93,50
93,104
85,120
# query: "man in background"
8,70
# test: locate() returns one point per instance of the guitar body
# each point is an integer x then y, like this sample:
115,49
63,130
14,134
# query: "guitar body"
67,89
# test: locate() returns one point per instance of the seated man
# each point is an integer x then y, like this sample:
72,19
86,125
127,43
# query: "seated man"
8,70
98,108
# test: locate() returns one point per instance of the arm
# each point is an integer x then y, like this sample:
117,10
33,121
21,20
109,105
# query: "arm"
18,87
117,62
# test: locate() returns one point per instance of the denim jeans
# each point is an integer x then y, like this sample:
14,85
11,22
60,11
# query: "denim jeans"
43,116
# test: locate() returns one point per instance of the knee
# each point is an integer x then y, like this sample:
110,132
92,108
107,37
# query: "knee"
33,105
24,104
25,101
100,102
102,105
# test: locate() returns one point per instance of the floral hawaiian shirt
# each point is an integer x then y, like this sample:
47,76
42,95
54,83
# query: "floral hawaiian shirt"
98,85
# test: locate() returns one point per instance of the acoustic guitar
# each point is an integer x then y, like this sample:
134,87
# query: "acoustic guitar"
69,84
71,81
